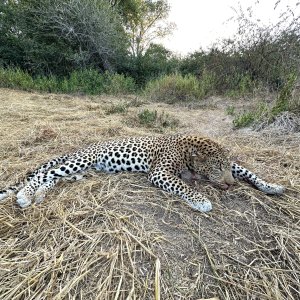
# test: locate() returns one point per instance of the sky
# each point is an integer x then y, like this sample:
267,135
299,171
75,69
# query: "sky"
202,22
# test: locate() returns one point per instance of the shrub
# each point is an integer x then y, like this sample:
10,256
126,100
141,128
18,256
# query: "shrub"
243,120
240,85
247,118
15,78
116,84
285,95
207,82
147,117
49,84
175,88
85,81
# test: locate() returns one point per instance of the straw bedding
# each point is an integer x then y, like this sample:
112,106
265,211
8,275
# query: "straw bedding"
118,237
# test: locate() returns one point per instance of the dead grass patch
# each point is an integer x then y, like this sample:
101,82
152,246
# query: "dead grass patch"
117,237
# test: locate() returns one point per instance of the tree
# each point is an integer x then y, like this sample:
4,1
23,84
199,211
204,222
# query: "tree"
145,21
57,36
268,52
94,27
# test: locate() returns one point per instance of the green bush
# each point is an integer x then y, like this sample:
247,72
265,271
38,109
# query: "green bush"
247,118
117,84
243,120
147,117
207,82
85,81
176,88
240,85
49,84
230,110
285,95
15,78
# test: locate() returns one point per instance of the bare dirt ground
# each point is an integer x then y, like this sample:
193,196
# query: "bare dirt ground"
118,237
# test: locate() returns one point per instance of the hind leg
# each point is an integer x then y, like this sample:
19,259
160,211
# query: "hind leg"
42,182
45,188
42,169
75,177
25,200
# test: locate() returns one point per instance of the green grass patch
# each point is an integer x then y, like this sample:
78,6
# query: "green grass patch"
230,110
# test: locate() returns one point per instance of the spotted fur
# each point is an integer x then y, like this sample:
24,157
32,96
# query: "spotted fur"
163,158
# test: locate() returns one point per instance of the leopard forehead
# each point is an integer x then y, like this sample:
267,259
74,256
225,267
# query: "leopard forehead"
210,147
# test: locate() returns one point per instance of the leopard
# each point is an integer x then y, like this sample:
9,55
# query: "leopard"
163,158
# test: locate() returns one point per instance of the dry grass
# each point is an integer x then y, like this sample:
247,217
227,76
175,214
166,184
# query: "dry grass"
285,122
117,237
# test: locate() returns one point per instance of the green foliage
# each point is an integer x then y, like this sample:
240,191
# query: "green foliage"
156,61
230,110
247,118
243,120
57,37
73,43
245,85
147,117
15,78
285,95
86,81
93,82
117,84
150,118
267,53
207,82
228,73
178,88
283,103
145,21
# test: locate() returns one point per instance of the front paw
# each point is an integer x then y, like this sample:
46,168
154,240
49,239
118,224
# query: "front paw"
23,200
203,206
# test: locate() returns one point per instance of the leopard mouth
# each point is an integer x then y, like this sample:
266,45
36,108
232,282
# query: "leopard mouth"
222,185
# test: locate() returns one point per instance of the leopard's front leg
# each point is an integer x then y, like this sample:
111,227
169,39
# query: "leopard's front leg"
242,173
172,184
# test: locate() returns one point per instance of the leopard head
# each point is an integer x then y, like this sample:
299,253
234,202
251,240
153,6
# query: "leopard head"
214,162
